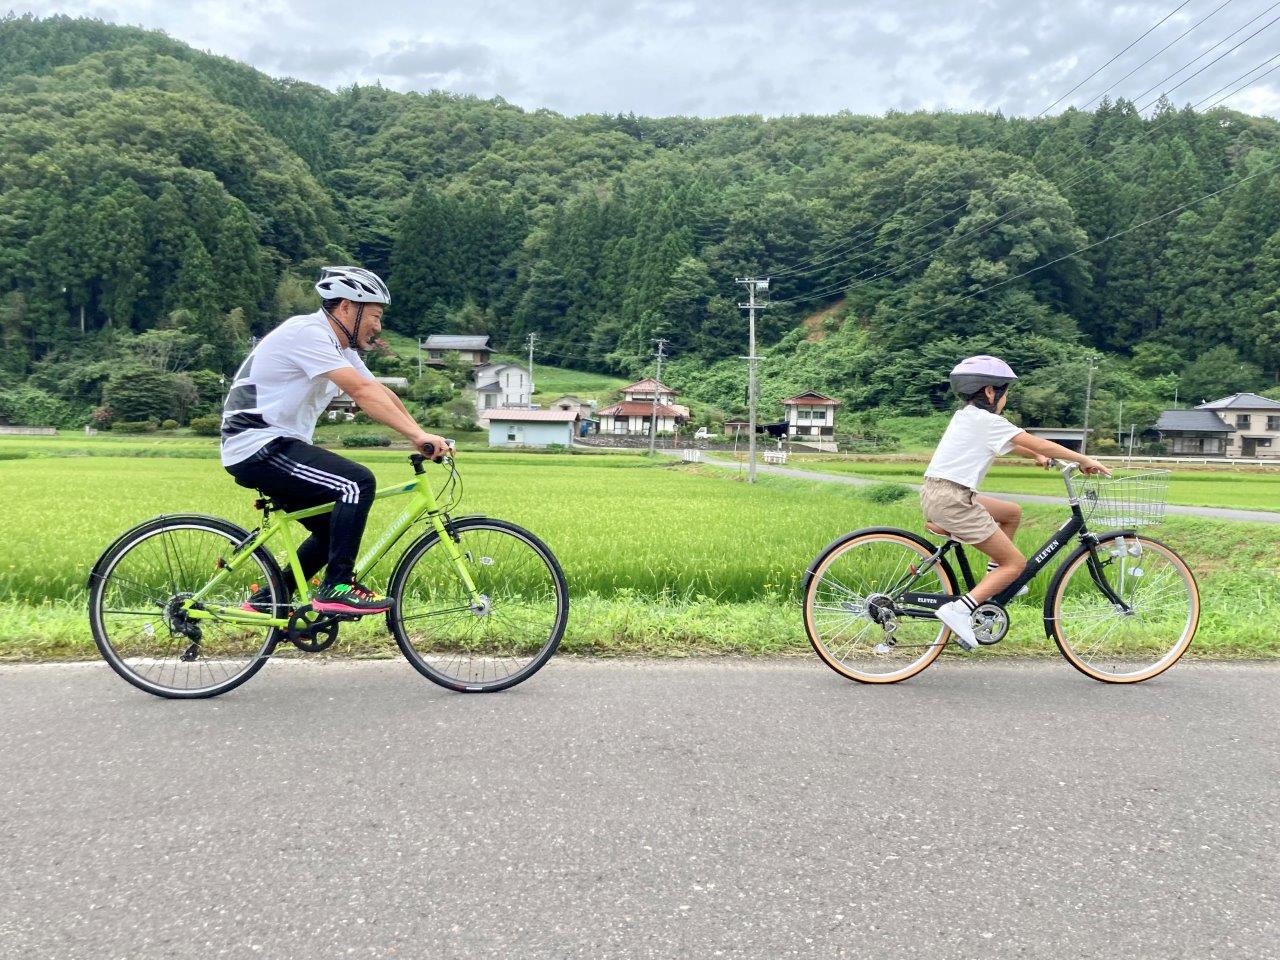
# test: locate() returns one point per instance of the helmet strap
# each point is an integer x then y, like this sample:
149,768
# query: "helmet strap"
349,334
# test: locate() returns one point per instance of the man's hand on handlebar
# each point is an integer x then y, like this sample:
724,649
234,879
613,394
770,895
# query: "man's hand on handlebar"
434,447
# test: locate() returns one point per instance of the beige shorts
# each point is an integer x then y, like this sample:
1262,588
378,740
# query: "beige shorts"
952,507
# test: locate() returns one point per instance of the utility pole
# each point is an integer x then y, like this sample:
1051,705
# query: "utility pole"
1120,424
751,306
1088,395
533,338
653,411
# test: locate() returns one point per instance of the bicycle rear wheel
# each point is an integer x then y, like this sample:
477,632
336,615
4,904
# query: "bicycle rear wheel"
136,591
1111,644
501,641
846,602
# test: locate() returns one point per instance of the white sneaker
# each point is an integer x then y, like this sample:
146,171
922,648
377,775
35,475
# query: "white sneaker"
956,616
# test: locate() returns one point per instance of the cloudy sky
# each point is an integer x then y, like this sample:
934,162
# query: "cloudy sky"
692,57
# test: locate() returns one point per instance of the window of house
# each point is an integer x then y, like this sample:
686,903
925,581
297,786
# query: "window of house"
490,401
1273,423
511,433
434,354
802,414
1242,421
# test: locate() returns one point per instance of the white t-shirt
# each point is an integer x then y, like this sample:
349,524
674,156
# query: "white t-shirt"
973,440
281,389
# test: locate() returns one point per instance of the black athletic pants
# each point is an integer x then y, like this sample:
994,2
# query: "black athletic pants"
298,475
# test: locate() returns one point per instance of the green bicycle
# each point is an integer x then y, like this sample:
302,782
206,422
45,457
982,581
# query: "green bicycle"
479,604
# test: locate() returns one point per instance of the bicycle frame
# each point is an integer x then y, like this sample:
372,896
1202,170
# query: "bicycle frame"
923,605
276,524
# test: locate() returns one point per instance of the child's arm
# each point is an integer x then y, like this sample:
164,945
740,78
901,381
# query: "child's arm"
1039,447
1040,459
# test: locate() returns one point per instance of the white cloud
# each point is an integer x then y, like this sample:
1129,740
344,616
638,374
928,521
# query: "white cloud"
660,57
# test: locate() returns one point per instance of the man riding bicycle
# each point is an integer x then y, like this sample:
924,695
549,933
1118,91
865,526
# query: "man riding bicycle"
270,414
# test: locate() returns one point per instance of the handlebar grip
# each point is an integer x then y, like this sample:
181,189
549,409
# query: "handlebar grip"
429,449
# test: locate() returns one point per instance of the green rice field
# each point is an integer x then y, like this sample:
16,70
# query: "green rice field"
661,558
1241,489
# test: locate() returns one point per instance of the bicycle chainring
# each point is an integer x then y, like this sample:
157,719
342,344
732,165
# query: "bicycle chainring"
310,631
990,623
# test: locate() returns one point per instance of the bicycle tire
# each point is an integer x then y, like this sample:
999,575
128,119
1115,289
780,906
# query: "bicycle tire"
99,578
459,529
1057,625
819,569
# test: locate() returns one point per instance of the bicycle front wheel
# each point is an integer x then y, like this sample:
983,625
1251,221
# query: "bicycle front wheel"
496,642
851,618
136,594
1136,641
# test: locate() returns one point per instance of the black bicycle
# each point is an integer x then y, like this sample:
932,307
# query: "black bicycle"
1122,607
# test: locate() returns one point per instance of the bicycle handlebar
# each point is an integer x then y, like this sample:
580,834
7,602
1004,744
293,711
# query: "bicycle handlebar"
429,453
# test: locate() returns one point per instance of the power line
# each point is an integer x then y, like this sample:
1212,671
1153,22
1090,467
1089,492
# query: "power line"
823,264
1207,65
843,246
1170,44
847,285
1088,247
1134,43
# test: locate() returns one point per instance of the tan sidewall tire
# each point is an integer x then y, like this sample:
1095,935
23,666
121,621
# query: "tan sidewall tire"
1065,648
904,674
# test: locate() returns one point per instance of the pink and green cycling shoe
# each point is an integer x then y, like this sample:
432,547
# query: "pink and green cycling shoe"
349,598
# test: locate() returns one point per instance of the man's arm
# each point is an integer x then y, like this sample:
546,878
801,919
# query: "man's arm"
383,406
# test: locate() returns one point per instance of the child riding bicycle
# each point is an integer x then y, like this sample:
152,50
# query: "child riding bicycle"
976,435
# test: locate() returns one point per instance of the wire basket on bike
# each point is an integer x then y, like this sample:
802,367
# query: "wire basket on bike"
1136,499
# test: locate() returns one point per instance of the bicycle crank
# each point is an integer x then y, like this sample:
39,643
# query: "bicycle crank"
990,623
311,631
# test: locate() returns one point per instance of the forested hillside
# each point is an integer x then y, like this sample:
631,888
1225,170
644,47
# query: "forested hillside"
159,204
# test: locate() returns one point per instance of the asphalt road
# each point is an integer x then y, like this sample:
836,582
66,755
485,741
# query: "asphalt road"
631,809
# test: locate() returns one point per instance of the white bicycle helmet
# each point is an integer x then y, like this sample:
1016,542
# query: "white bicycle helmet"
973,373
352,283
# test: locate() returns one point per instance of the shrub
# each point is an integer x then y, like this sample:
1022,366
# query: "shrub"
209,426
366,440
169,424
135,426
29,407
136,395
884,493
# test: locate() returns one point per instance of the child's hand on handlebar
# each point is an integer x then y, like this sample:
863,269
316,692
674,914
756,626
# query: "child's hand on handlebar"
1091,466
1046,462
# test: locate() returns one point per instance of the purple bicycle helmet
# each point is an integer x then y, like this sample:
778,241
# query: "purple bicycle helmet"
973,373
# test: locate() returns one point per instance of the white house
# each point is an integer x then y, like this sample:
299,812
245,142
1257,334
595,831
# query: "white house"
501,386
811,414
1254,423
470,350
531,428
584,408
632,416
